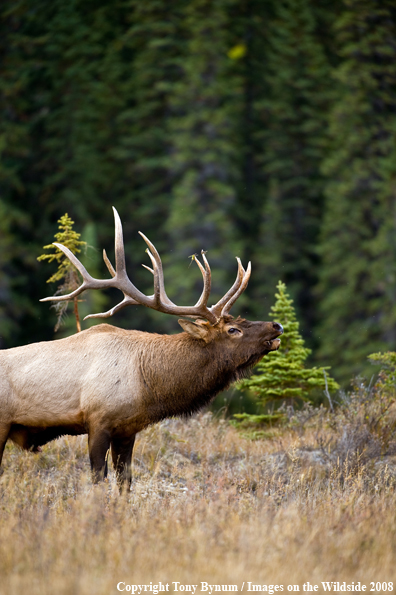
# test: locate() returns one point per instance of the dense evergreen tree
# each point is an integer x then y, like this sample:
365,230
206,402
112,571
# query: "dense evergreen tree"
292,115
357,292
84,89
205,124
203,160
251,23
14,285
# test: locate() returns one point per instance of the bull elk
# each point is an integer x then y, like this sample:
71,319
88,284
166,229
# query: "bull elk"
111,383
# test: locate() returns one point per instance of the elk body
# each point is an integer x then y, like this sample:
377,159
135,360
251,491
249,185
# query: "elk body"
111,383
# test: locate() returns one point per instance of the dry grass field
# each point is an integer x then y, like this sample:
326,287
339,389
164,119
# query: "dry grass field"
314,501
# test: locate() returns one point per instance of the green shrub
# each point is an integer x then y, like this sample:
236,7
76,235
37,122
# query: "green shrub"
281,375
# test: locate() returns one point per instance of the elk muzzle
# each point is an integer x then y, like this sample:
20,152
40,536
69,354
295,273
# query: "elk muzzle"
274,343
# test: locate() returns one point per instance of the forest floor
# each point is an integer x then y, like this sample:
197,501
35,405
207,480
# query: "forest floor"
314,501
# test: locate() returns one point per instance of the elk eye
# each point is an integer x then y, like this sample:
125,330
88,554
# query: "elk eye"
233,330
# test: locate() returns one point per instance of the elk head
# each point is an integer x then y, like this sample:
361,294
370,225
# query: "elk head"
209,324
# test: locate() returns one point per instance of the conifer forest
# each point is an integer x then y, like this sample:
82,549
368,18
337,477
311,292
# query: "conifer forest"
264,129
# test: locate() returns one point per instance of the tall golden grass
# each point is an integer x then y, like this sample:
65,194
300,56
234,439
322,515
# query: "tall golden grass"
206,505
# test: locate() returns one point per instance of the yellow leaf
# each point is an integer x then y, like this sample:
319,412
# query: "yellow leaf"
237,52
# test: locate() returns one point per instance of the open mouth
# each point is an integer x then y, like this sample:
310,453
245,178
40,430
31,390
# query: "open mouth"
273,345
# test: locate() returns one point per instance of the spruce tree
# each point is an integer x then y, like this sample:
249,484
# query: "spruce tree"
291,117
204,165
66,272
357,289
14,296
84,92
281,375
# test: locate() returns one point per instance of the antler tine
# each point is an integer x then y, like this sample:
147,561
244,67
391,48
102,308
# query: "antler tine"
153,249
207,279
120,278
119,244
108,264
88,281
158,280
241,289
217,308
127,301
156,270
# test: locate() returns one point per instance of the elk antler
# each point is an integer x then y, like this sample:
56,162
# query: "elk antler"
159,300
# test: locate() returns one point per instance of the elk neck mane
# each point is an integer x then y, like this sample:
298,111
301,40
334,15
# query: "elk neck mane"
180,373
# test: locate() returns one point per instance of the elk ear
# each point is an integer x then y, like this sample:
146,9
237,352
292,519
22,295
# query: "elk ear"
198,330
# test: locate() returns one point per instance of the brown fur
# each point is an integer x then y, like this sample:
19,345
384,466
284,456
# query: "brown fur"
111,383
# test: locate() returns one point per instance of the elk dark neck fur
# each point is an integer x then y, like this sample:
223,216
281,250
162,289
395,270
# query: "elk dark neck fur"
183,374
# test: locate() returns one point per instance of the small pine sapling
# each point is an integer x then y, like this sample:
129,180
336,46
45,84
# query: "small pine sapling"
66,272
282,376
387,376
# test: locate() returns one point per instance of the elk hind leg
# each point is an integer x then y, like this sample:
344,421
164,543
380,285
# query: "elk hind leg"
121,452
98,446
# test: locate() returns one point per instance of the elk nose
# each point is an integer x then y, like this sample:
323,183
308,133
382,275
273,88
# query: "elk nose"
277,327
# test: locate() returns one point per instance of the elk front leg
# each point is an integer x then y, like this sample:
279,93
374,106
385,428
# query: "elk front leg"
121,452
4,431
98,446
